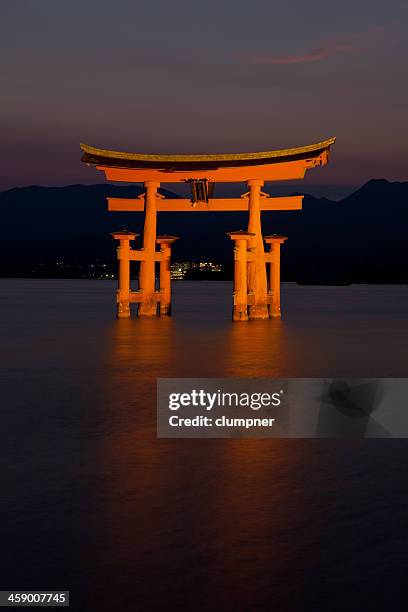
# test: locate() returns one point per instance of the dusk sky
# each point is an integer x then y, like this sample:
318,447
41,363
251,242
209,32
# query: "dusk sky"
183,76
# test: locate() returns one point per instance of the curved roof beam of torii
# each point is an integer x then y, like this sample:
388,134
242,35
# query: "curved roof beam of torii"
285,164
120,159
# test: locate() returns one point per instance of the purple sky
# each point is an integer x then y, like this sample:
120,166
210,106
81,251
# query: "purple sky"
183,76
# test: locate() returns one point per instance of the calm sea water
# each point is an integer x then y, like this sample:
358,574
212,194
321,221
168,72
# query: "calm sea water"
92,502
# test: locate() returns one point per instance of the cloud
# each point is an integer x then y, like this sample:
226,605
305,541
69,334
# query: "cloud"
335,46
312,55
315,54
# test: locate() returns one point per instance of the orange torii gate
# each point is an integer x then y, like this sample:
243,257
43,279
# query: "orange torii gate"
254,296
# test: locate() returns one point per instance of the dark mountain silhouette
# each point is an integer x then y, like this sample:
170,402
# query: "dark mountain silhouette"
359,238
64,212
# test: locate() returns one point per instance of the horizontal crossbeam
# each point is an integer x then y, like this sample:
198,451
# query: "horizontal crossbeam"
282,171
136,297
214,204
140,255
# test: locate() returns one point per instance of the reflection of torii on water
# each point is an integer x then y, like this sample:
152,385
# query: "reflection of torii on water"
255,295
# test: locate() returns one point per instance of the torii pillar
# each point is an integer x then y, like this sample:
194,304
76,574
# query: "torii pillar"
240,308
257,282
273,257
124,255
147,279
165,243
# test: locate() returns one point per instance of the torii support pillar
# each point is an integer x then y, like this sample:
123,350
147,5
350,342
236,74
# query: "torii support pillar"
147,281
123,292
165,243
240,308
273,257
257,282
